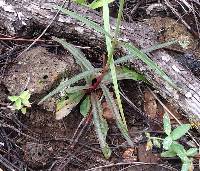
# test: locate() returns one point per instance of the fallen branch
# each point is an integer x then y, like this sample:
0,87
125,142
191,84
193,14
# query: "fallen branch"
21,15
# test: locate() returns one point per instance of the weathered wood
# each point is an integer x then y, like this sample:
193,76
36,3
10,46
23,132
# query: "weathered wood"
20,14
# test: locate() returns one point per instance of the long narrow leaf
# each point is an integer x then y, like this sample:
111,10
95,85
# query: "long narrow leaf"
78,55
142,56
107,28
88,22
111,102
103,122
76,88
147,50
110,49
98,3
64,107
125,73
159,46
85,106
123,59
119,18
67,83
101,133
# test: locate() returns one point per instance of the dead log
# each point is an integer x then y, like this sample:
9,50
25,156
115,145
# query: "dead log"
20,15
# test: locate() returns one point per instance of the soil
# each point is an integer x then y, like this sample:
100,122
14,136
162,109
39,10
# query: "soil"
37,141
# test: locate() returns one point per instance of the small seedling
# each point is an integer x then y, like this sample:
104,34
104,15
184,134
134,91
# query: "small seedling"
184,42
171,145
21,102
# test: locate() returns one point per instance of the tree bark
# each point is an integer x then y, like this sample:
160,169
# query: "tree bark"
20,15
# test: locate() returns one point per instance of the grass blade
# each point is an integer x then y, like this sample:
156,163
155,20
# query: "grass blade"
147,50
125,73
98,3
101,126
67,83
142,56
88,22
85,106
115,111
159,46
78,55
123,59
119,18
76,88
110,49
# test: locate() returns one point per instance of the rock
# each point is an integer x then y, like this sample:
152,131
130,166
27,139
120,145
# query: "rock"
38,71
168,29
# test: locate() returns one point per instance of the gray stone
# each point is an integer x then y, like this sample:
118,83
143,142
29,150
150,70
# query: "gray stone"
38,71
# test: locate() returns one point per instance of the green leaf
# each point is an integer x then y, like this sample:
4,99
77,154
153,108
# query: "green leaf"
25,95
149,145
75,97
60,104
160,46
142,56
180,151
106,22
81,2
167,142
26,103
67,83
76,89
147,134
18,104
88,22
85,106
115,111
184,43
125,73
13,98
186,166
101,132
117,93
168,154
150,49
23,110
166,124
180,131
103,122
156,142
192,152
110,51
65,111
98,3
64,107
123,59
78,55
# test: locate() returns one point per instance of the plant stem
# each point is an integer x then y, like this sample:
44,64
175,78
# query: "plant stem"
119,18
117,29
151,138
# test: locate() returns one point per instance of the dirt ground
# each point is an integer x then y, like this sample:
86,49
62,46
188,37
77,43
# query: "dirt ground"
37,141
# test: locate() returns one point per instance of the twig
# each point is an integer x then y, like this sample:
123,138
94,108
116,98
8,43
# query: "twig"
44,31
130,163
22,39
18,131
